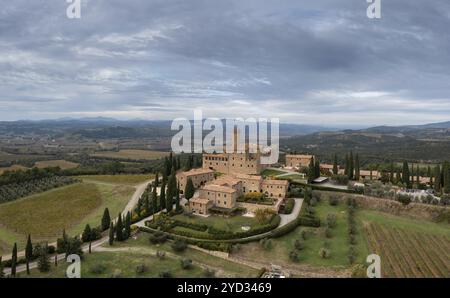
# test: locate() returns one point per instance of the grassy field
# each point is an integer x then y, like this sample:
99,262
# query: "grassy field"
12,168
221,266
124,257
123,264
63,164
271,172
45,215
337,244
132,154
232,224
118,179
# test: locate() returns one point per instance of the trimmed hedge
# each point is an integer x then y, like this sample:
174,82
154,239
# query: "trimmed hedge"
289,206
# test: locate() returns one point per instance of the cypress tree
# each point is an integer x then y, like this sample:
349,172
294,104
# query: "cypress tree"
147,204
28,253
154,200
128,225
189,190
162,196
111,233
177,199
437,179
311,171
335,165
171,191
106,220
357,167
405,175
119,229
351,167
86,236
43,260
156,179
418,174
317,169
2,274
446,173
14,260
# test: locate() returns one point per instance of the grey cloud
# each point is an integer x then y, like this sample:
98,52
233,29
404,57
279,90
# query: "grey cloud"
161,58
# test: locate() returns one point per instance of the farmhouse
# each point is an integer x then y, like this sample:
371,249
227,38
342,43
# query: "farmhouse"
298,160
199,177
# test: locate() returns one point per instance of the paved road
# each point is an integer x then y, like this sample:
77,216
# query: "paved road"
287,218
129,207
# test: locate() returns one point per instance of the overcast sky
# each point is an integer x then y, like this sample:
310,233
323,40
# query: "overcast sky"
315,62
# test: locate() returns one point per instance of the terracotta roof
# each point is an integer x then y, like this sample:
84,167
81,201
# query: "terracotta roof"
212,187
275,182
301,156
199,200
199,171
224,180
248,177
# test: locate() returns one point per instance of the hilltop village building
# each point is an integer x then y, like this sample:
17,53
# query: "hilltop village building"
224,191
298,160
199,177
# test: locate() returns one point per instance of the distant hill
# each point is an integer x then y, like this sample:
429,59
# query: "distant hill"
428,143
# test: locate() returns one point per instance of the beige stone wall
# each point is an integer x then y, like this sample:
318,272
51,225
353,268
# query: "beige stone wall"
274,190
296,161
199,208
233,163
219,198
197,179
251,208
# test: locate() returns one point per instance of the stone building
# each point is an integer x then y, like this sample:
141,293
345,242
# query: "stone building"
199,177
298,160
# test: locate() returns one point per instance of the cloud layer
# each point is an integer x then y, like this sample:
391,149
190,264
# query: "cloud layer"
318,62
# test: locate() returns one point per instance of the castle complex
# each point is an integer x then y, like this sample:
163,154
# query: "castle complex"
240,176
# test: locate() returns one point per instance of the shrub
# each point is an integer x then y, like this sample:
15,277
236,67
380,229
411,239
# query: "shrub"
141,269
311,211
289,206
179,245
316,195
158,238
97,269
266,243
328,233
352,239
331,220
324,253
326,244
299,244
293,256
165,274
333,200
209,273
304,234
186,264
352,229
313,202
117,274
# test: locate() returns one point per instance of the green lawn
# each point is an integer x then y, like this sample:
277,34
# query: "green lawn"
123,264
416,225
338,243
118,179
228,268
271,172
232,224
45,215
